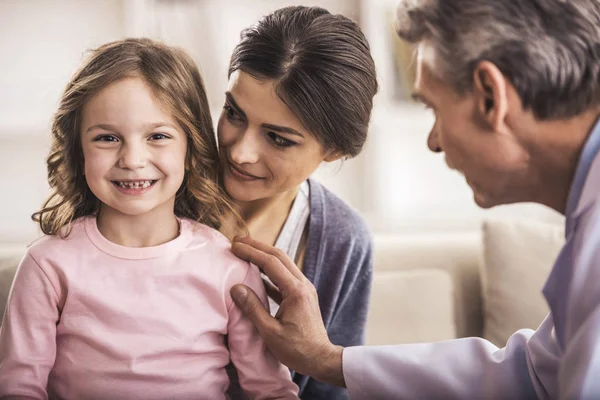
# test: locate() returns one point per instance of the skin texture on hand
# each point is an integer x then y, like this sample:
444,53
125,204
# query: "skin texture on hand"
297,335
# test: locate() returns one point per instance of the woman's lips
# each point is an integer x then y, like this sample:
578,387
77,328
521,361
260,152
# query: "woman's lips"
240,174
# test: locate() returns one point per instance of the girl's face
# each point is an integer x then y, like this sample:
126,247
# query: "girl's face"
264,148
134,151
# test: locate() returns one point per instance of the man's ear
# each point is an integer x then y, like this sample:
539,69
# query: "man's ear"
489,87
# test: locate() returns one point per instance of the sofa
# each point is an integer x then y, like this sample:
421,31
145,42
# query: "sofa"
432,287
439,286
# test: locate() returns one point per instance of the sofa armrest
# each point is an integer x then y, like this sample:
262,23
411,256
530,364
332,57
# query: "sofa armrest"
10,257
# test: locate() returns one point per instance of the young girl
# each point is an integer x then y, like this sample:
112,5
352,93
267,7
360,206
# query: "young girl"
128,294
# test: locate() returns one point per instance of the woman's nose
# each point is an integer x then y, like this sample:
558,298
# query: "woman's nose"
245,149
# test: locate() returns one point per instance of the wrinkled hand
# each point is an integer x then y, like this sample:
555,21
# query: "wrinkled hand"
297,335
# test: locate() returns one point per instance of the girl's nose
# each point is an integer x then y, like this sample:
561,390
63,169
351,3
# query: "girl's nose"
133,157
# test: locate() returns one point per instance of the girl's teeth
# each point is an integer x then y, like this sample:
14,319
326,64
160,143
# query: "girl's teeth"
135,185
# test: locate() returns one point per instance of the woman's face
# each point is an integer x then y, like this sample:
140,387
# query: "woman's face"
264,148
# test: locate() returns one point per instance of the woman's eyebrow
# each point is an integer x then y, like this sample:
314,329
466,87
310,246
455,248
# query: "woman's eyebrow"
282,129
277,128
233,104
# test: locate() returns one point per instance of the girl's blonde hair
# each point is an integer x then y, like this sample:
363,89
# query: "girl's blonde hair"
176,81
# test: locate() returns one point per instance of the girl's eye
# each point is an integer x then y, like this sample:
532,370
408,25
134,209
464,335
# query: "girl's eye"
159,136
105,138
280,141
230,113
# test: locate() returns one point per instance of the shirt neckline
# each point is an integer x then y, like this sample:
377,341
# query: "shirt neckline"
138,253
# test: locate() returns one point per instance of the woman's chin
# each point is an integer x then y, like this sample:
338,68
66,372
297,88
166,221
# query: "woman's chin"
238,191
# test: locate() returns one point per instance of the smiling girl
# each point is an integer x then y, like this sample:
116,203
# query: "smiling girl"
127,295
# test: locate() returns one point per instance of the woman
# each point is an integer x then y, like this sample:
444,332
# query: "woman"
301,87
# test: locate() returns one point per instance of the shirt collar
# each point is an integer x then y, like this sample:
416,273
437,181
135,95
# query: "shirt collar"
588,155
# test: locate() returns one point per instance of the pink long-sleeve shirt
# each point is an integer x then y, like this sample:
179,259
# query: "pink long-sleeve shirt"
90,319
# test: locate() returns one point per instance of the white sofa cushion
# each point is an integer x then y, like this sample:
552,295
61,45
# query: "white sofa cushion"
518,256
410,307
458,254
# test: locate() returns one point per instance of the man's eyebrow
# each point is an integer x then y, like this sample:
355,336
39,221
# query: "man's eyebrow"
233,104
282,129
416,96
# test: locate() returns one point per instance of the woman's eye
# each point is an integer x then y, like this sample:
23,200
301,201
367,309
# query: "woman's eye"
159,136
230,113
280,141
105,138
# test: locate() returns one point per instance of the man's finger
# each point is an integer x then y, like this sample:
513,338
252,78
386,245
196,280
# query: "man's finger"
270,265
250,305
272,291
284,258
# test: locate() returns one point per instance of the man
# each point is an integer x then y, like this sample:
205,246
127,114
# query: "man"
515,88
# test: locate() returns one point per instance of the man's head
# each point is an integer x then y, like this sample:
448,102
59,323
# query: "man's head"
497,74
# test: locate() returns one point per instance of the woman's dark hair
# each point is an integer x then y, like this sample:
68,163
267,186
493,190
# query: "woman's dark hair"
322,68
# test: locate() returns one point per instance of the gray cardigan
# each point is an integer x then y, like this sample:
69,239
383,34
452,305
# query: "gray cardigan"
339,262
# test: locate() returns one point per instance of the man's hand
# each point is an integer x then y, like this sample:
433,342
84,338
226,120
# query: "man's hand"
296,336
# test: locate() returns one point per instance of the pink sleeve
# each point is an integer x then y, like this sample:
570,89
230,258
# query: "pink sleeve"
28,333
261,375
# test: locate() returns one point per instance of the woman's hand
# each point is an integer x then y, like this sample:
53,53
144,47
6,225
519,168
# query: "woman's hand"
296,336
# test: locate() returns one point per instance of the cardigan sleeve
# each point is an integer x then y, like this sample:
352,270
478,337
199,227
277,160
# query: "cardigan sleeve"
347,326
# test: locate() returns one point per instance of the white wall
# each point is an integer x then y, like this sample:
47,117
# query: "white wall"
41,42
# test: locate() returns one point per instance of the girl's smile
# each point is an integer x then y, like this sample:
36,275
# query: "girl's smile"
134,187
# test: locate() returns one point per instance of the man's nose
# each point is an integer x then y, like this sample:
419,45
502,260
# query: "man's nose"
433,141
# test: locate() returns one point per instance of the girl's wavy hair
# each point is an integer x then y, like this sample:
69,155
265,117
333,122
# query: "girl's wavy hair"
176,81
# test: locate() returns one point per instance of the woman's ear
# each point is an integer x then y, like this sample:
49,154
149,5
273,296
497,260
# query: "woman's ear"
490,90
333,155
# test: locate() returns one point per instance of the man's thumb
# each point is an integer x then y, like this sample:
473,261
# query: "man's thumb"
250,305
239,294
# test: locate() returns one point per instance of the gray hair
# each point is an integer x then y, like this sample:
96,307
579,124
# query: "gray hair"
548,49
